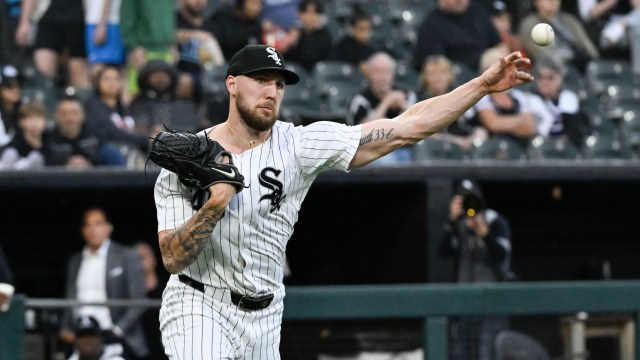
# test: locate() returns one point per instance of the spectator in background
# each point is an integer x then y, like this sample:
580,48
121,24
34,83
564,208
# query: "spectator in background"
196,44
280,23
10,99
106,270
596,14
102,35
437,78
461,30
622,32
478,239
60,30
156,105
562,104
26,150
381,99
9,49
149,266
154,288
6,282
237,25
71,142
148,31
107,116
571,44
501,18
512,113
280,13
90,344
314,39
355,47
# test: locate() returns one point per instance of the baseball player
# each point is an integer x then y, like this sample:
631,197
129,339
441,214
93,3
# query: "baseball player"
224,299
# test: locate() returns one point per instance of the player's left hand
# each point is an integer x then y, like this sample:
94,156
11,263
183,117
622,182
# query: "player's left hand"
504,74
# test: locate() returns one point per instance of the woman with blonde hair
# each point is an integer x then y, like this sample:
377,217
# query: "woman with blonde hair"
437,78
513,113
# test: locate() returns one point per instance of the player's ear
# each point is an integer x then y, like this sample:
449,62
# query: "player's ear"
231,84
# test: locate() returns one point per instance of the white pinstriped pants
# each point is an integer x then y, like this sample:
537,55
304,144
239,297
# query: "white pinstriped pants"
197,326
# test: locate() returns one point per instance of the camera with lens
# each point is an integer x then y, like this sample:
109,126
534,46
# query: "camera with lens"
472,203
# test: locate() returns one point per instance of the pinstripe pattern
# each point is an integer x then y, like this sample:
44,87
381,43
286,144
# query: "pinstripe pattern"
246,251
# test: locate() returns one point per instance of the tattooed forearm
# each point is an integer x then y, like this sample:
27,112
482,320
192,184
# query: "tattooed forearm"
377,134
182,246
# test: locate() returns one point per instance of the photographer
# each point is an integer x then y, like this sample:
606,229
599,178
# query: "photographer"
479,240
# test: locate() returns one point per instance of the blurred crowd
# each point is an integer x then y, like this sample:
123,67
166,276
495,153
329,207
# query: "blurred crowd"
89,83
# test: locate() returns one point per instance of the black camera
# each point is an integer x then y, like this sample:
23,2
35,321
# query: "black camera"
472,203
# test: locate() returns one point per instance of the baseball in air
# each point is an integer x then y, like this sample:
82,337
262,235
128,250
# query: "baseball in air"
542,34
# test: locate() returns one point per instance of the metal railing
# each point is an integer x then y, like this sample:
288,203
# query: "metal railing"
434,303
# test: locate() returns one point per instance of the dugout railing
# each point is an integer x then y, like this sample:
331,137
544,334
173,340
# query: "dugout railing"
434,303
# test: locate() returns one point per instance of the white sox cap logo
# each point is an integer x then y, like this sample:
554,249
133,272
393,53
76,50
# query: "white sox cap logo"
274,55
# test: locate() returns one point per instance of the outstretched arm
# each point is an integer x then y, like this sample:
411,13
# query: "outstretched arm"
427,117
180,247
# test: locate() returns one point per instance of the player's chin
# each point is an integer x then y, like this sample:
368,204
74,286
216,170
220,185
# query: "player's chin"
264,120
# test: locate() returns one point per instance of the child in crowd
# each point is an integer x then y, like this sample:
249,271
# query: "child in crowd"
25,150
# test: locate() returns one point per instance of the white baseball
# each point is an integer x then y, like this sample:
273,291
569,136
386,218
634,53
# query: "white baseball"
542,34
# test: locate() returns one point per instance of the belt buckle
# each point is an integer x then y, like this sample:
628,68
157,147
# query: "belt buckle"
249,304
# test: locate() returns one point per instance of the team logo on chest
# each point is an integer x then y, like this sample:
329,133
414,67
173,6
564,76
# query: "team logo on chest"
270,182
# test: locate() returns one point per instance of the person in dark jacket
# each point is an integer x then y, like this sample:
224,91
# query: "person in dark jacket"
461,30
72,143
102,271
156,105
479,239
106,114
237,25
355,47
314,37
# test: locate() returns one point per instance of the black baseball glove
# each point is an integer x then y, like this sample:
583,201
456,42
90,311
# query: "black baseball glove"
195,158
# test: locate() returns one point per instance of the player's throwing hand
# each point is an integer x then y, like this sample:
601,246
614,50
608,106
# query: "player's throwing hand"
504,74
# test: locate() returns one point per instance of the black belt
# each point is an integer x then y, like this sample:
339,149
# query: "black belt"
242,301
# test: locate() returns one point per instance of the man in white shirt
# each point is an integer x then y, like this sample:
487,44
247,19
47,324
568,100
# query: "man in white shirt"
106,270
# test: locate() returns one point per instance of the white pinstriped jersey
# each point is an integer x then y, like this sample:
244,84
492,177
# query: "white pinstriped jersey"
246,251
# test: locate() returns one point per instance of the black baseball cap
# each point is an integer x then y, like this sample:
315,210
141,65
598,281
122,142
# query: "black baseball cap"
8,75
498,7
253,58
87,325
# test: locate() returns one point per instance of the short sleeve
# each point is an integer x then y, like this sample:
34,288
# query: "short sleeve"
173,201
326,145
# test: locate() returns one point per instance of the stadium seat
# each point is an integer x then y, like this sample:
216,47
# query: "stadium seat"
602,125
607,147
574,80
337,98
511,344
330,73
438,149
462,73
214,80
601,73
299,103
82,93
620,95
303,73
406,76
499,148
541,148
629,120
